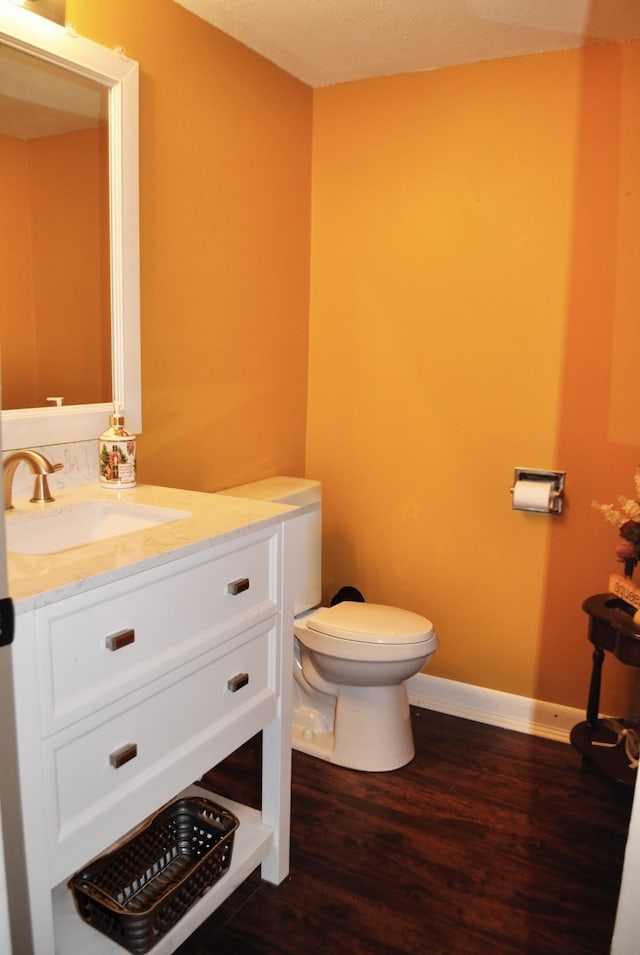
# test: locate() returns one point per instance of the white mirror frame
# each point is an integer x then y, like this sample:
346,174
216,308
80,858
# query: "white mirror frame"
35,427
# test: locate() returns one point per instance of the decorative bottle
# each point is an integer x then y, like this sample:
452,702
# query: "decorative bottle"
117,454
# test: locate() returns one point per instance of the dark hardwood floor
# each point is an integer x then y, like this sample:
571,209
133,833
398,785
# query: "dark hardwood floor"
489,841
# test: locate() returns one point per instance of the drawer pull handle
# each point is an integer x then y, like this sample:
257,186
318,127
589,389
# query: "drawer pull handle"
237,682
238,586
121,756
116,641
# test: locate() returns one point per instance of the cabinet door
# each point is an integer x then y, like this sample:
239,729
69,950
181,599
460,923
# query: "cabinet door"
5,944
9,759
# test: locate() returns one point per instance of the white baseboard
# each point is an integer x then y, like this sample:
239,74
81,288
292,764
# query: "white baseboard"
507,710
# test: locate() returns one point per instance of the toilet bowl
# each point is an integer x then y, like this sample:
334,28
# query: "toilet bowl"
351,660
360,655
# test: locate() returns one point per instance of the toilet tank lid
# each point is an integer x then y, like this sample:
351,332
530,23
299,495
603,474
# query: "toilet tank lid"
371,623
279,490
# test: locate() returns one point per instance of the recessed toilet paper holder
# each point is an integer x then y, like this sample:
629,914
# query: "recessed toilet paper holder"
534,476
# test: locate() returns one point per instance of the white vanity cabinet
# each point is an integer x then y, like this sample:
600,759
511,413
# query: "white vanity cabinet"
127,693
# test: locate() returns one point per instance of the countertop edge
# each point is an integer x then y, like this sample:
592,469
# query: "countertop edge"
215,519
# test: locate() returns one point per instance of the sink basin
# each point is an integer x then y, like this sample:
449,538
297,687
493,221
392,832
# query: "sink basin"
55,529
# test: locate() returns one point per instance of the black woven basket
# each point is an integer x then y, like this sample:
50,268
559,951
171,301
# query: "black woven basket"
137,892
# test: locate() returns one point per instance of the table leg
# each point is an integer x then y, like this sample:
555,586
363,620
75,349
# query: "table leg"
593,703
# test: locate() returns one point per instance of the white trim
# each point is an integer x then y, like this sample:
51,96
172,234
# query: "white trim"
520,713
37,427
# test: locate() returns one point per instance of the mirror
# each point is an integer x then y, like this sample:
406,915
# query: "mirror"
90,195
54,235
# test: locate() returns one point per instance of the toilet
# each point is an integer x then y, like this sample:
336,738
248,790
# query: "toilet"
351,660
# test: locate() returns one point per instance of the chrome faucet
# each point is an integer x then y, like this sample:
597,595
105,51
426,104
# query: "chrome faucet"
40,467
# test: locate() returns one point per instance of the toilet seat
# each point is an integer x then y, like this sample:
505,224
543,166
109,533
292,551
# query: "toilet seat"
371,623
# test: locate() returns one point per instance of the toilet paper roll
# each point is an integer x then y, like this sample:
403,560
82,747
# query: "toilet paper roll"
533,495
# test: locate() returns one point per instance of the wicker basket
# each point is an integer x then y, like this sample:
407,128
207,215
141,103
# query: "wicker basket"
137,892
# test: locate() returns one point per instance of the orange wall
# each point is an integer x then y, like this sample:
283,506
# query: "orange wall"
68,186
474,268
16,315
225,146
473,259
54,268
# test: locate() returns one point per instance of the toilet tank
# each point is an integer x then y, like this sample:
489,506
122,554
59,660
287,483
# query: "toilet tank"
303,535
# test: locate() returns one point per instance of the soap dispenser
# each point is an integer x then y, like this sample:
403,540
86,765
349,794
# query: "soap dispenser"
117,453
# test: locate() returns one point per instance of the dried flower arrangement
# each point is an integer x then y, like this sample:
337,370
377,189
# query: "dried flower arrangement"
626,517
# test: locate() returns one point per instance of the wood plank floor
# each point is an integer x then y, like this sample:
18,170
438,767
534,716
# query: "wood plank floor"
489,841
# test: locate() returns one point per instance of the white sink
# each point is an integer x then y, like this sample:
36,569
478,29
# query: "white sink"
58,528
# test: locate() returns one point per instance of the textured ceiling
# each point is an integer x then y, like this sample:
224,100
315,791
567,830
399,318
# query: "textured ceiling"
332,41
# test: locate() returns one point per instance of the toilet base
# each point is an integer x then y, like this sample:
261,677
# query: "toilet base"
371,730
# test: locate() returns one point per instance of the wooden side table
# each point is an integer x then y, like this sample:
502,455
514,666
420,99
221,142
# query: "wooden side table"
611,628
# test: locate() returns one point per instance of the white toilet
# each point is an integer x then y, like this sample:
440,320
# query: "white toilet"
351,660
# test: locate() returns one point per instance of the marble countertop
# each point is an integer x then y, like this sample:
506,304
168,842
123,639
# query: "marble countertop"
36,580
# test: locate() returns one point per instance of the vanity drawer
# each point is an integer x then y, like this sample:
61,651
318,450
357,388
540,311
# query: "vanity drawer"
99,646
154,747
